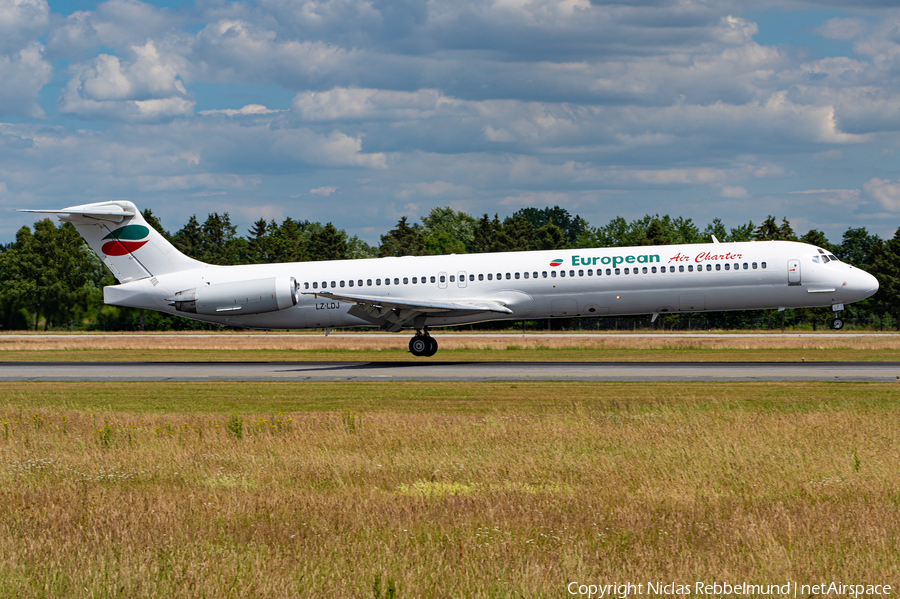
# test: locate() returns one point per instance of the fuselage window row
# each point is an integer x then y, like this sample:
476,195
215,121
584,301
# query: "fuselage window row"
552,275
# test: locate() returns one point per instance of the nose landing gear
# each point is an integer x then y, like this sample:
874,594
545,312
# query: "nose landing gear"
838,324
423,344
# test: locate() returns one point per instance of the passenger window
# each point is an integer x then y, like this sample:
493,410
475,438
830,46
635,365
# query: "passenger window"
681,268
763,264
653,269
552,274
378,281
396,281
490,277
626,270
507,276
562,273
452,278
580,273
499,276
405,281
591,272
359,283
471,277
727,266
432,279
737,266
315,285
415,280
718,267
369,282
525,274
544,274
350,282
443,279
671,269
480,277
608,271
517,276
534,274
342,283
387,281
754,266
690,268
709,267
618,271
571,273
644,270
306,285
746,266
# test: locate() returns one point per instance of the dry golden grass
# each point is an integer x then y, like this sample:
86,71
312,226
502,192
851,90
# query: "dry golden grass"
442,489
374,347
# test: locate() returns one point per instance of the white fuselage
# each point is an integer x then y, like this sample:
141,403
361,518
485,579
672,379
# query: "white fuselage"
586,282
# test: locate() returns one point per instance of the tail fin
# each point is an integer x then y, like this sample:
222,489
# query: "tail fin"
118,233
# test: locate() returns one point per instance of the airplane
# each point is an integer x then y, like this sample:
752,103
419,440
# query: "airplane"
423,292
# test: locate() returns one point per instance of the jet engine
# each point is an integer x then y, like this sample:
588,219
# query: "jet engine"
242,297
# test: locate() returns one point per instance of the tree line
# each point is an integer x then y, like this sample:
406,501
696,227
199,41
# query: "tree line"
50,278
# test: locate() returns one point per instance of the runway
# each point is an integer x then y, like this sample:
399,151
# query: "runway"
450,371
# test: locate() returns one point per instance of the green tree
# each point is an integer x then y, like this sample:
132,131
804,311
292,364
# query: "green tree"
562,218
551,237
402,240
817,238
448,229
189,239
769,230
48,273
327,244
154,222
855,247
885,258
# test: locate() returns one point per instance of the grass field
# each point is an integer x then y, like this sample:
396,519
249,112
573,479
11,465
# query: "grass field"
442,489
380,348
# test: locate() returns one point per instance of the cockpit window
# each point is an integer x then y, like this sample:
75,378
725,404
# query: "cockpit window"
833,258
815,259
825,259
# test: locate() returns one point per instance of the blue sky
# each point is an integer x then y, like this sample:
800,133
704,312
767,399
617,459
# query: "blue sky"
359,112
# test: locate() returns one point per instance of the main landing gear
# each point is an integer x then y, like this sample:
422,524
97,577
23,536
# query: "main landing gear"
423,344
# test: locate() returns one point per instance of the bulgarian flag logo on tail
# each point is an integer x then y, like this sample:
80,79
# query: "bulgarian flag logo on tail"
125,240
556,262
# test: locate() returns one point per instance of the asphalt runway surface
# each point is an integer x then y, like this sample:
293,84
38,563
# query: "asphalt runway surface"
451,371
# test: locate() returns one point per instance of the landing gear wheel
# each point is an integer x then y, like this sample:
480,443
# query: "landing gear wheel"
432,347
838,324
419,346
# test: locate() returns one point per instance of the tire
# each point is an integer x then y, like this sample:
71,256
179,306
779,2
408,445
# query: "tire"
838,324
432,347
419,346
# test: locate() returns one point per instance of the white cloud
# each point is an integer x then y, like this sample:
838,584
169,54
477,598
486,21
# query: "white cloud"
249,109
886,192
22,75
21,21
323,191
146,88
343,103
734,192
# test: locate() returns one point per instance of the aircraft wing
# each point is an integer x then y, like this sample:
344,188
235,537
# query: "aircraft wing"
393,313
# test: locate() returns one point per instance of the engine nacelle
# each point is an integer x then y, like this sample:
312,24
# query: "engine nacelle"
243,297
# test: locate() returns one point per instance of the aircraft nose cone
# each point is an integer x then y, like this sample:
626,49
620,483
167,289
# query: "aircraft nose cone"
870,285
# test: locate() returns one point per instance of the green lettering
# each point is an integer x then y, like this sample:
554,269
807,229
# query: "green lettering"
642,259
605,260
585,261
595,261
654,258
574,260
617,260
629,259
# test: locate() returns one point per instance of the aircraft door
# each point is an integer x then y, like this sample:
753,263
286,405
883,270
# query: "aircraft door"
462,278
442,280
793,272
